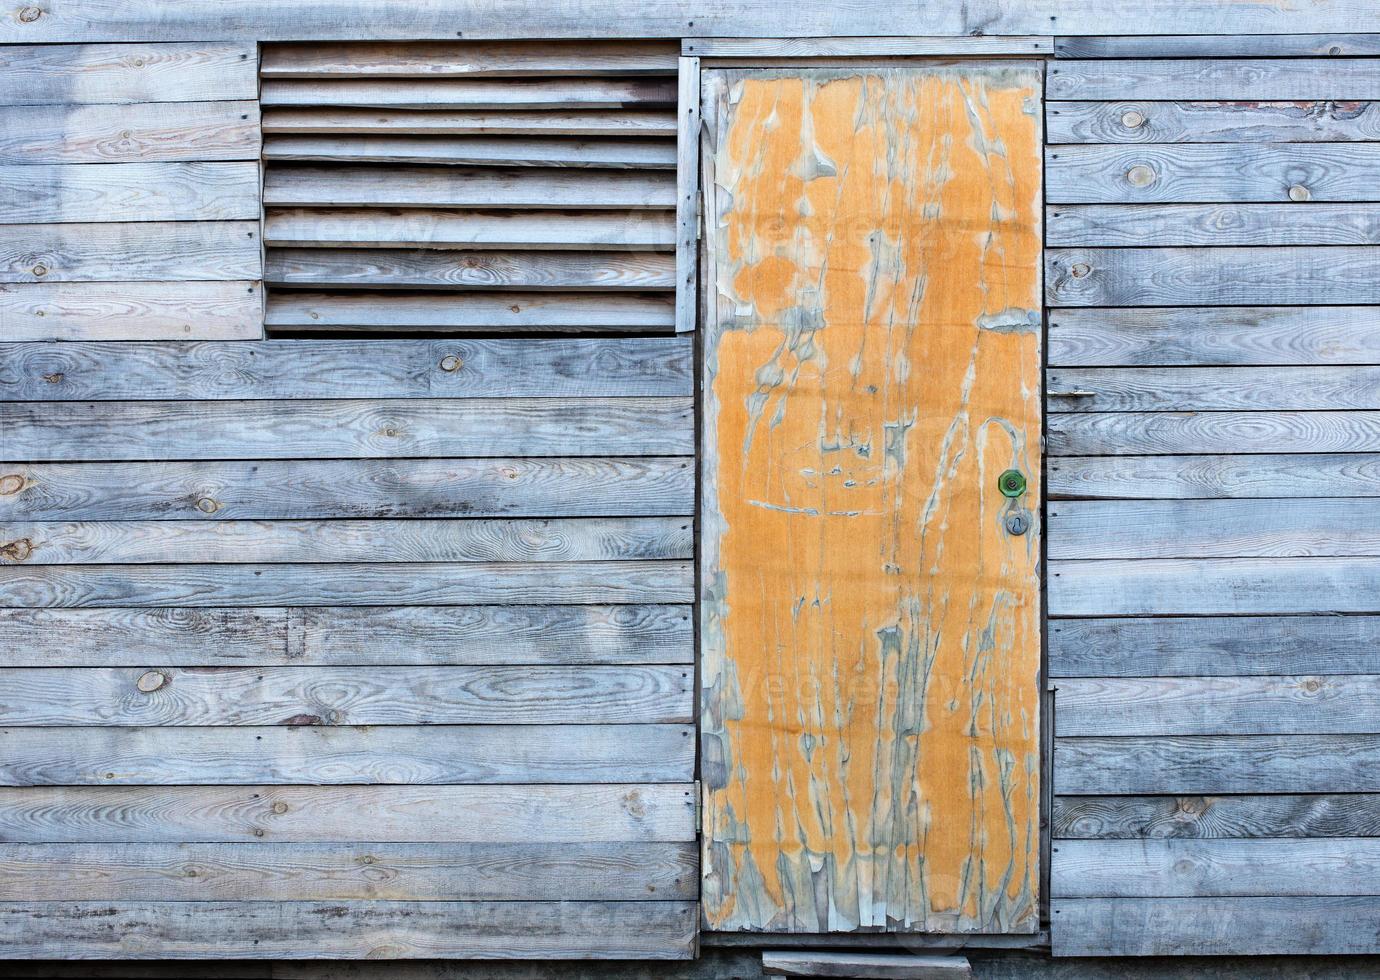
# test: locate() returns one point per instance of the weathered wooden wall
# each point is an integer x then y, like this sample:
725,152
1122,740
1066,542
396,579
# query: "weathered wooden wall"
1213,403
870,633
129,188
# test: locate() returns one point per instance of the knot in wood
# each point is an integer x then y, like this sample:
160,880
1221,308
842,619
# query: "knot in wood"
1140,176
18,550
207,505
151,681
1298,193
27,15
10,484
54,378
1080,270
280,807
1132,119
452,363
40,269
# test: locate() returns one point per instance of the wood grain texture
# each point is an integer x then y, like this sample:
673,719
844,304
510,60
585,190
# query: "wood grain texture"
502,814
487,269
1212,276
895,966
436,187
1116,433
1141,225
631,871
1280,705
1322,527
558,151
413,540
1217,79
1281,925
195,371
139,251
1228,646
864,47
1218,46
157,131
462,59
901,794
1217,764
1212,389
1219,172
1212,817
688,195
469,93
460,122
132,311
340,636
315,238
351,428
1213,586
94,192
1212,122
1214,335
293,695
322,755
1212,868
439,583
90,74
478,312
1210,477
352,930
307,489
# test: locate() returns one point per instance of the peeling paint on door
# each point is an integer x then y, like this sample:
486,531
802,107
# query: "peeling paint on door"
870,624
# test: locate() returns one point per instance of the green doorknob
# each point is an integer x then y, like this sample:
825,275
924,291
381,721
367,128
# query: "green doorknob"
1011,483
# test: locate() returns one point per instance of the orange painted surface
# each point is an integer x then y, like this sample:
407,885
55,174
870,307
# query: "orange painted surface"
871,629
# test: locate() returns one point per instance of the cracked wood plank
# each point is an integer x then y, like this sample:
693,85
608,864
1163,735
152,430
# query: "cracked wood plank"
871,634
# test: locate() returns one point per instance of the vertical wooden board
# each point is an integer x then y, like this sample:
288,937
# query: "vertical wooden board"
870,629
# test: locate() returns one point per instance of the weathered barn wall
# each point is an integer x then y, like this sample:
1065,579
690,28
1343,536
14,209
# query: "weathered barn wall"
1212,432
870,631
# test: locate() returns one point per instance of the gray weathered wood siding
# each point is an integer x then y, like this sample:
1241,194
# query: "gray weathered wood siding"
1214,428
129,187
467,186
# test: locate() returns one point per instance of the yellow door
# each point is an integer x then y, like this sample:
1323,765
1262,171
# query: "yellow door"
871,632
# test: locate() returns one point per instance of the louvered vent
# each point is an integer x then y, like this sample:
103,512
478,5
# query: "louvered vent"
470,187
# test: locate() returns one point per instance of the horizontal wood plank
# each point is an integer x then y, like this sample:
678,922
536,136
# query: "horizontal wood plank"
92,74
1218,79
895,966
483,151
1211,477
156,131
1211,868
413,540
440,187
96,192
484,269
469,368
159,311
137,251
497,754
1142,225
387,695
1213,586
1218,46
1279,925
1212,389
339,636
1292,275
1215,336
1283,705
1211,122
1213,817
465,59
1116,433
306,489
629,871
1218,172
865,47
267,814
1216,764
1226,646
353,428
352,930
431,123
311,241
466,311
468,93
1320,527
438,583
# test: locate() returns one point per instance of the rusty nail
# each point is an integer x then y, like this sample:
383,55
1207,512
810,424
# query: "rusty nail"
1140,175
151,681
452,363
1299,193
